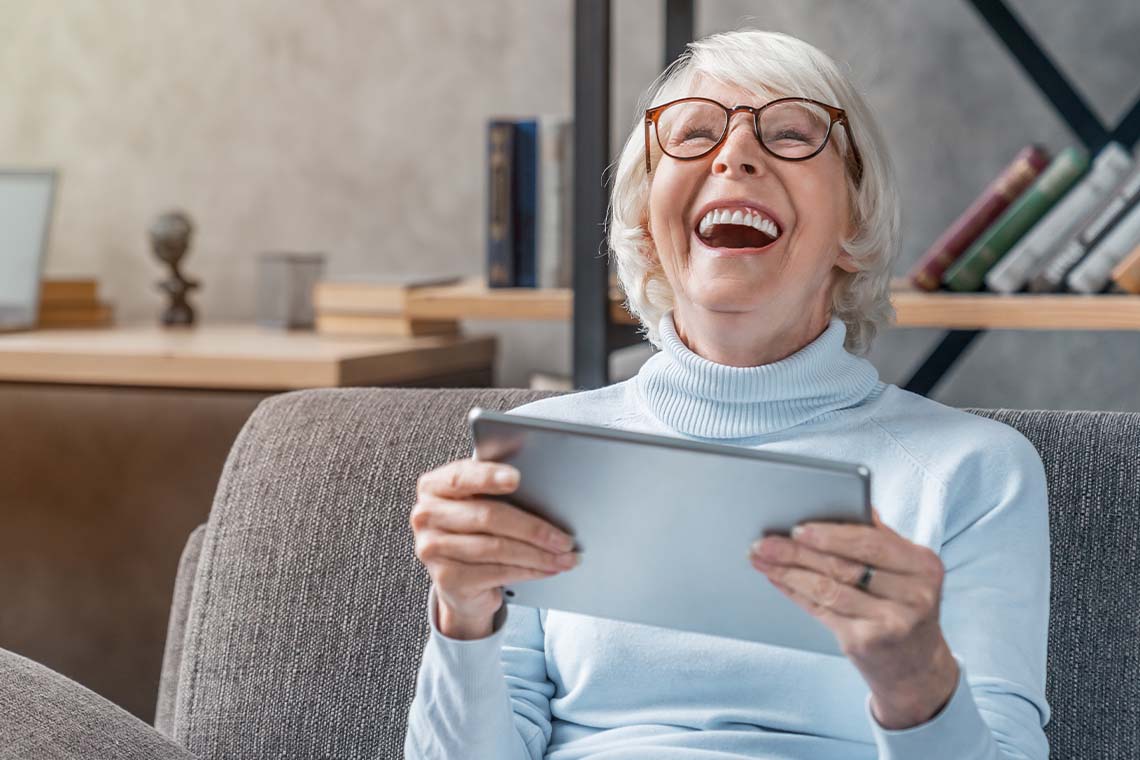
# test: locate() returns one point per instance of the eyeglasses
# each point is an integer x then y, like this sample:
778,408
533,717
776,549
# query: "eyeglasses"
792,129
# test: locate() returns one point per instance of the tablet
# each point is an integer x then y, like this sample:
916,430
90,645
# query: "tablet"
665,524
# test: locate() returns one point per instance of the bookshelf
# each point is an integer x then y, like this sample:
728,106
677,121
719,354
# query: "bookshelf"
472,299
597,330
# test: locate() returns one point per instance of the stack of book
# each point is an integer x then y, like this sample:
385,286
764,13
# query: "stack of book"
529,192
72,303
376,307
1045,224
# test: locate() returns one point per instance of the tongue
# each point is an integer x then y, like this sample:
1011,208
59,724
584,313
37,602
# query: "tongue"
736,236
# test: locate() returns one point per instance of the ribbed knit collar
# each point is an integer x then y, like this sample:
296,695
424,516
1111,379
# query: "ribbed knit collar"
701,398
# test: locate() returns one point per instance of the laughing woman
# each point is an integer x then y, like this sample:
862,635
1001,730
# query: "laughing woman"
753,223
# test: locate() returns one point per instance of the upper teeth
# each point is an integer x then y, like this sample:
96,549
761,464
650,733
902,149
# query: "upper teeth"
746,217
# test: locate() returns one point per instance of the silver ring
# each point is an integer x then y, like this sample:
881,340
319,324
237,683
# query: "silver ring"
865,579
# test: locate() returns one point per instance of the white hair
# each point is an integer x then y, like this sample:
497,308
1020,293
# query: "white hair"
778,65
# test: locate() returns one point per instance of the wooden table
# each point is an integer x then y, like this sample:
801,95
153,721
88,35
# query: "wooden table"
111,446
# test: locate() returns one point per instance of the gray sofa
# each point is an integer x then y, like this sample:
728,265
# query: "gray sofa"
298,620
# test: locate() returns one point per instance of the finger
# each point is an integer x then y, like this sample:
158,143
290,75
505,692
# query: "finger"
864,544
825,592
468,477
476,578
478,548
778,550
496,518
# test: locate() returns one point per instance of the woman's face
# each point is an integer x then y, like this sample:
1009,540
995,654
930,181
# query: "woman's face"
787,281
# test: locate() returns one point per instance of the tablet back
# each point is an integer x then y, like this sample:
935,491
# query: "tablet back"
665,524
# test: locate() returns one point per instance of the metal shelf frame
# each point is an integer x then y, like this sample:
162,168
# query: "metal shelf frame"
595,337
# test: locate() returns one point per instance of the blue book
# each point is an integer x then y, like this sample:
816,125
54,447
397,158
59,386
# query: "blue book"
526,203
501,272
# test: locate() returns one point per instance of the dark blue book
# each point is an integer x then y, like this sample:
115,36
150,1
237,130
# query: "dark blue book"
526,203
501,268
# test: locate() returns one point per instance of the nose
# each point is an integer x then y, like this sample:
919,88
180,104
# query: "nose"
740,152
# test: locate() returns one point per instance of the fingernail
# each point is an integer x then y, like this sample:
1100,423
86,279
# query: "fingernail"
505,477
561,542
800,531
567,560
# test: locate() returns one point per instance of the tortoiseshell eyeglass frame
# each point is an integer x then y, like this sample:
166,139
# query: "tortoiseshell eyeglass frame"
837,115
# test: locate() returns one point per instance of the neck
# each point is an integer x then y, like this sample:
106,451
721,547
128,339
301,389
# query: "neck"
697,396
740,339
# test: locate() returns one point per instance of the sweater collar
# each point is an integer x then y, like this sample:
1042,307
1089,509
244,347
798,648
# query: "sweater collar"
702,398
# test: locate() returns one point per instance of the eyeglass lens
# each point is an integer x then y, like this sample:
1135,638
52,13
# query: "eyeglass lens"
794,129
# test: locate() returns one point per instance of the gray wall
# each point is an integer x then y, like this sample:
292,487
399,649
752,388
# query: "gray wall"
309,126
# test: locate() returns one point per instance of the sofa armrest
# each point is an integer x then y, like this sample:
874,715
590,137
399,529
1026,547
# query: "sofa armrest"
46,716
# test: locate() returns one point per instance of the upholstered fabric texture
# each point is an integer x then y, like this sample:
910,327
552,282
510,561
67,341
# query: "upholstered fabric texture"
1092,461
176,631
307,619
45,716
307,622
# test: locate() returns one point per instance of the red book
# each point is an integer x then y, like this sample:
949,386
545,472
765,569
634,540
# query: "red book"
1018,175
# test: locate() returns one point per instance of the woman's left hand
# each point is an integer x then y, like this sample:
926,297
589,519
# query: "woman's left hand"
890,631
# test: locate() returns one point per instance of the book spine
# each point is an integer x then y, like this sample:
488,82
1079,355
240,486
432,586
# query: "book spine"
1052,277
1126,276
969,271
526,202
1019,174
1092,274
553,219
500,205
1062,223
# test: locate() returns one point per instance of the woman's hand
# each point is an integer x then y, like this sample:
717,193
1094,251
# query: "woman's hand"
890,631
471,546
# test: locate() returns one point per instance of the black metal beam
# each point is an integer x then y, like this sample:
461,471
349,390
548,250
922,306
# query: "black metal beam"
591,343
1045,74
940,360
678,28
1127,132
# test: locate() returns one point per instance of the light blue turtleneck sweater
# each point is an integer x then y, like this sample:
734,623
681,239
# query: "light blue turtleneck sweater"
551,684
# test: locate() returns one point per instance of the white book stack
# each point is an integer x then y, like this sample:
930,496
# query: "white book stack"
1062,222
1095,270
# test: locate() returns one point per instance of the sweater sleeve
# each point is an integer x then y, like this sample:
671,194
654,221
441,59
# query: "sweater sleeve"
487,697
995,614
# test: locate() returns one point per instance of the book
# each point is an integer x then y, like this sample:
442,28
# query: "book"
1062,222
99,315
1126,275
1052,277
386,295
968,272
1094,271
500,205
69,291
556,194
1009,184
525,198
382,326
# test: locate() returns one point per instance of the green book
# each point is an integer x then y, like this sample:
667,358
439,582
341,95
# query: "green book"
968,273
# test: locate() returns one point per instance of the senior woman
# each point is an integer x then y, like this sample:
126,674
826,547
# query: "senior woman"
753,222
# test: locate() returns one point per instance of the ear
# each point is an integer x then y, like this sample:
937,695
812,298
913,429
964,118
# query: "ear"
845,262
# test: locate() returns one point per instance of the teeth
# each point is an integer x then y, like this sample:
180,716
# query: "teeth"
738,216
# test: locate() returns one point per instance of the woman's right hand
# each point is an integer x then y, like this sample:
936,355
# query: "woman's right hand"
471,546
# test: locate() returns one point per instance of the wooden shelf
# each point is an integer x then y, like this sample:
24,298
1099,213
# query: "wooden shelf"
472,299
234,357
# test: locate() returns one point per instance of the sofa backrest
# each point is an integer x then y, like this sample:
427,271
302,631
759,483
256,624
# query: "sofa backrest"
307,620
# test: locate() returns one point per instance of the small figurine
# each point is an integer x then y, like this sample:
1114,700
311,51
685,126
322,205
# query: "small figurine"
170,237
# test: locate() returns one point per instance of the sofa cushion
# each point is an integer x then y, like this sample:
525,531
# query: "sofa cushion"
307,620
1092,462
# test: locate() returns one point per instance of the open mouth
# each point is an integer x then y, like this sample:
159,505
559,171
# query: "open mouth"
737,230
